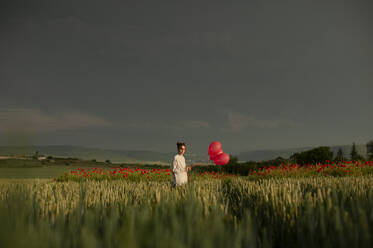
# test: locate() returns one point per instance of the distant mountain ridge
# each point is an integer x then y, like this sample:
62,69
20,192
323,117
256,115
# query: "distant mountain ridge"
121,156
88,153
138,156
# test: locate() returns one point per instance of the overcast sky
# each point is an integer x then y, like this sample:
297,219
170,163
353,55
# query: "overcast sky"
145,74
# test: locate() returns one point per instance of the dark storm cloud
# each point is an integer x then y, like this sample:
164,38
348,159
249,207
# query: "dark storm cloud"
253,74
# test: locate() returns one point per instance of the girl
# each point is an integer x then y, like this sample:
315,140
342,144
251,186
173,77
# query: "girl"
178,166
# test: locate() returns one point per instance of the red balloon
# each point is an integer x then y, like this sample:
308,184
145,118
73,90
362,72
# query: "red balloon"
213,156
221,159
214,148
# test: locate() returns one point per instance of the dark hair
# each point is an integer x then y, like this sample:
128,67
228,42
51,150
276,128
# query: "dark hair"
180,144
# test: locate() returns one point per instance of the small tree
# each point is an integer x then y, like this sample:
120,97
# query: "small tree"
355,156
339,157
370,150
36,155
353,153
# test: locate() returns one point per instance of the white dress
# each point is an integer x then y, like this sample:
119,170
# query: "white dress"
178,168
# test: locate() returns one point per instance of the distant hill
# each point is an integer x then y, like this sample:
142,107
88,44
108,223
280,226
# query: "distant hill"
88,153
259,155
123,156
136,156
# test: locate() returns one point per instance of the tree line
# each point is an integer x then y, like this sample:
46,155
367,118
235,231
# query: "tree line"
320,154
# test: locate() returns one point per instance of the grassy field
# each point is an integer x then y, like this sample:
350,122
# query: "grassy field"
27,168
234,212
37,172
106,205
